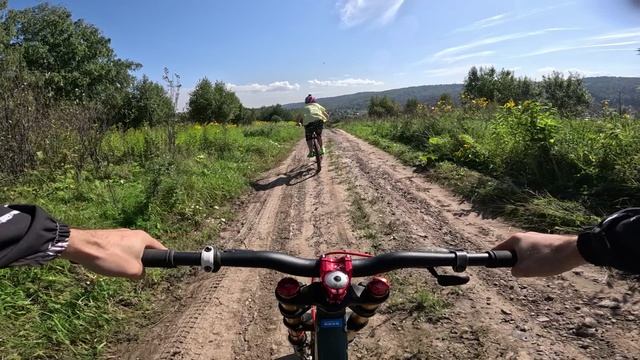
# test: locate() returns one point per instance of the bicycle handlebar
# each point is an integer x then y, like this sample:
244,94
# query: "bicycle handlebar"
211,259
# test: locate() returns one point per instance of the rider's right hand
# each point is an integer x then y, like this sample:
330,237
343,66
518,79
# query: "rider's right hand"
110,252
542,254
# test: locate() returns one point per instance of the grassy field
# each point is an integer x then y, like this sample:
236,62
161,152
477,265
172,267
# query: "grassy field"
180,195
522,162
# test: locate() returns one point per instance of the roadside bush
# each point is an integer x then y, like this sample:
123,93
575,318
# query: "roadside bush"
590,166
61,310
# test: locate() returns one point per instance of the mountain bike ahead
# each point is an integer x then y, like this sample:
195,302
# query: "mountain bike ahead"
319,325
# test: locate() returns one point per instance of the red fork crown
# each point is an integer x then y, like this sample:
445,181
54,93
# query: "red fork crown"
335,274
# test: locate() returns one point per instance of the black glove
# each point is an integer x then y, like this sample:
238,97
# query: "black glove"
29,236
615,242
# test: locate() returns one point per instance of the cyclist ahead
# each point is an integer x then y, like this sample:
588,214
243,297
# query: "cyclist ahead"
314,116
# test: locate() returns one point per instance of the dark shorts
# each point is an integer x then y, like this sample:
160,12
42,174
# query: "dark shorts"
314,127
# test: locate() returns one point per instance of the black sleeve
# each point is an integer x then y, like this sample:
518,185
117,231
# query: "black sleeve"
29,236
615,242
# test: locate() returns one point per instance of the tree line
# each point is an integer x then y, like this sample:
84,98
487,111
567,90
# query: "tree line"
62,86
486,85
70,61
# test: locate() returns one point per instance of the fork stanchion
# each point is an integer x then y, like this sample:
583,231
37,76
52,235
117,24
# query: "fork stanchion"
374,294
287,289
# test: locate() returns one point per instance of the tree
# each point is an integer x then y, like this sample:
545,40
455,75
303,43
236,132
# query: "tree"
226,104
275,113
245,116
411,106
146,103
71,59
445,99
383,106
3,32
201,102
504,87
471,83
209,102
498,86
526,89
481,83
567,95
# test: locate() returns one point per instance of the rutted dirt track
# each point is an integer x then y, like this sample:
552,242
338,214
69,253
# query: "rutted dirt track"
233,314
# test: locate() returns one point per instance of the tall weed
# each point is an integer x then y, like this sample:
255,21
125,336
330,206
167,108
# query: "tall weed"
591,163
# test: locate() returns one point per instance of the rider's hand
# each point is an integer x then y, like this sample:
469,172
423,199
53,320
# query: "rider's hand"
542,254
110,252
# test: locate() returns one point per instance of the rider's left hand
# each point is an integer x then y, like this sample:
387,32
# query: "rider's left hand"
110,252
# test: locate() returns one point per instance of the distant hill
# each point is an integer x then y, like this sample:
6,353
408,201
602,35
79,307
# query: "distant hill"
360,101
607,87
603,87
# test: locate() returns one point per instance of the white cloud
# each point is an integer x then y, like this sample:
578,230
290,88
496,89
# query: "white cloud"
603,42
449,52
507,17
272,87
485,23
468,56
448,71
629,33
631,50
183,100
579,47
356,12
344,82
460,71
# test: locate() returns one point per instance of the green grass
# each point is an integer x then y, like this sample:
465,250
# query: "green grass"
61,311
422,303
524,163
429,304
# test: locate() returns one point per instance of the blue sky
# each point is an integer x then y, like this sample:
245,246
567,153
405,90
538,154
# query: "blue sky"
278,51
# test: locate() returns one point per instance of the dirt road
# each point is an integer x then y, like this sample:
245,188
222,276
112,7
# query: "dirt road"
365,199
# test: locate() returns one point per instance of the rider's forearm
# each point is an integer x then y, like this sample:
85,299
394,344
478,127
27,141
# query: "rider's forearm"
568,252
83,247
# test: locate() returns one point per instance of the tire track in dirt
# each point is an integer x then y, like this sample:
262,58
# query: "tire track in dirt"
208,325
313,222
263,334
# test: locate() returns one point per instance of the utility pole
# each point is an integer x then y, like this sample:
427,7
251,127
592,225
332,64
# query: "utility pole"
620,102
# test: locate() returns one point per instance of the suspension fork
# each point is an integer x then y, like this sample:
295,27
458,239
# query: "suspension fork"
330,335
329,327
333,331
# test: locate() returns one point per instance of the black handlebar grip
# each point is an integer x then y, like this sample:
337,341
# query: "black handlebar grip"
501,258
158,258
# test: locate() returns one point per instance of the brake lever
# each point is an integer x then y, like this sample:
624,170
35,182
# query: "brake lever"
449,280
452,280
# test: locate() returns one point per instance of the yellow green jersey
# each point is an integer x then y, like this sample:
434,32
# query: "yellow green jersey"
314,112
